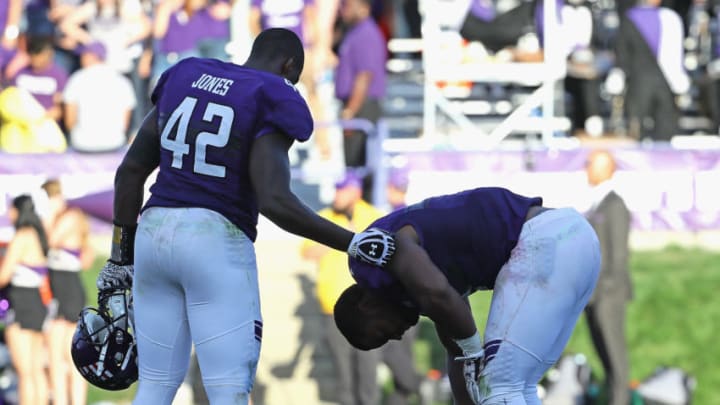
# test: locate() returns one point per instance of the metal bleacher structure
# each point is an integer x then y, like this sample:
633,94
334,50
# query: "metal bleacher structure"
421,114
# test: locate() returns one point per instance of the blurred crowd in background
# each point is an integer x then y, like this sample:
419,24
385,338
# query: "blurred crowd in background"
77,74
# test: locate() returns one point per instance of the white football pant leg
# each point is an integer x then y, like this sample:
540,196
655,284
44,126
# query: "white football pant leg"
538,297
214,264
161,327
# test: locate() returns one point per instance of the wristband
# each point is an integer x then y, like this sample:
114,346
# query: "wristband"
123,244
470,345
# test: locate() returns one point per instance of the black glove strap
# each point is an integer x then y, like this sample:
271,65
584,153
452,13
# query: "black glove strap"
123,244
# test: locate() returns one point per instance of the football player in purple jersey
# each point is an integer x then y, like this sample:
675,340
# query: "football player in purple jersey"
219,134
541,263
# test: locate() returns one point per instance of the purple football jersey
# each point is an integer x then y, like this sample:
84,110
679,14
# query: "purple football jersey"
468,235
209,114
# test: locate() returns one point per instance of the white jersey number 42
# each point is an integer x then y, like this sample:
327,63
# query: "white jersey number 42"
179,147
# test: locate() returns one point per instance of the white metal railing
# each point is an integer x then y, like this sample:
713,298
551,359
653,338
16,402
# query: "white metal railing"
438,66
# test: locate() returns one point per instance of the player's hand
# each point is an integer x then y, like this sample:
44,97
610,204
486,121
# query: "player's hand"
115,277
373,246
472,368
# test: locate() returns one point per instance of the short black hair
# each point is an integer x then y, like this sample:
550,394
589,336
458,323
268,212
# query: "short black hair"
39,43
275,43
354,322
350,320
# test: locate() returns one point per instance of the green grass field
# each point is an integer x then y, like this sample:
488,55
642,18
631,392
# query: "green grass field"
671,321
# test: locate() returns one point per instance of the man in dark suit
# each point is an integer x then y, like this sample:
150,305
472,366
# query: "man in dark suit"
605,312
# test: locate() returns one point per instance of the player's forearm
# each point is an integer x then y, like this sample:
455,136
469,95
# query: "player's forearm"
289,213
129,187
457,381
430,289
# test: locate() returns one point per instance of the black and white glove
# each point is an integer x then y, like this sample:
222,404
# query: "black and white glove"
473,360
115,277
373,246
117,274
472,369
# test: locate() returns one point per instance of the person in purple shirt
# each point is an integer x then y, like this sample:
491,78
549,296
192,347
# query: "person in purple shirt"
214,38
542,264
360,79
42,77
178,27
10,13
219,134
293,15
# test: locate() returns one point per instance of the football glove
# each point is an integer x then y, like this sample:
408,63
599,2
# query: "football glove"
114,277
373,246
472,368
118,270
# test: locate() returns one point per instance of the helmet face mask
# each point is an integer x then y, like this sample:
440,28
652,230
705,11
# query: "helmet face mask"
103,346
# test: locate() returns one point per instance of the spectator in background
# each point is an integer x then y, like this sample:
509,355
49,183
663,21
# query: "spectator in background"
710,91
64,45
95,121
299,17
24,268
649,59
26,127
397,189
582,81
356,370
68,232
30,106
42,77
216,34
360,79
10,13
178,28
606,309
35,16
122,26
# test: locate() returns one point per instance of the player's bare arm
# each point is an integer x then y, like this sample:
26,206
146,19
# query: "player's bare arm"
141,159
455,368
270,176
429,287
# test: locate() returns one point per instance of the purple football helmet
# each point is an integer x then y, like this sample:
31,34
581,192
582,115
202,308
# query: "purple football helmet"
103,346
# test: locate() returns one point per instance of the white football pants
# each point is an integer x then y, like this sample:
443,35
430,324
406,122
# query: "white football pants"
195,281
538,297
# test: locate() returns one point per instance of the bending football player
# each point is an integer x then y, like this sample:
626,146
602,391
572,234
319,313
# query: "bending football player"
541,263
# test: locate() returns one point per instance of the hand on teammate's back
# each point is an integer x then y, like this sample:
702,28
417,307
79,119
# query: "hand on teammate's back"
373,246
